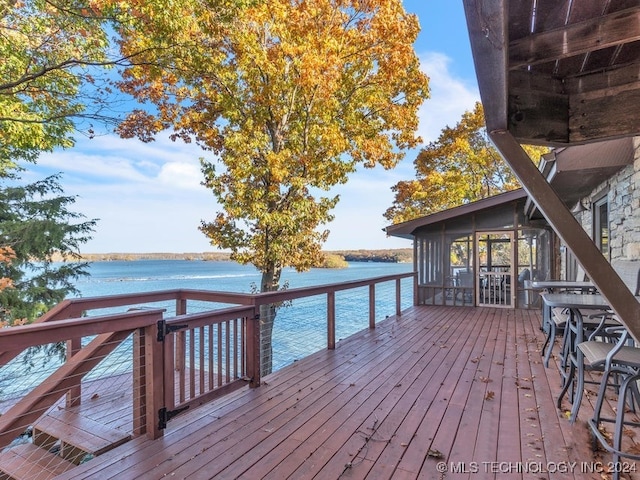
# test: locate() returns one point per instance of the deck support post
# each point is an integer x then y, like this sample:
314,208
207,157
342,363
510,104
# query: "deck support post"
74,395
253,349
139,385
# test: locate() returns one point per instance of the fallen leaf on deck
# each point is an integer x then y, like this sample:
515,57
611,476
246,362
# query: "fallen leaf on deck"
434,453
489,396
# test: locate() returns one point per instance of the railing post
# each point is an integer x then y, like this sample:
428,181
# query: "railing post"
253,349
181,306
372,305
154,369
74,394
139,384
415,290
331,320
398,298
181,349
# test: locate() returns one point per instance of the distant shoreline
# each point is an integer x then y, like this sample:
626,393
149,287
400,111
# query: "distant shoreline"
398,255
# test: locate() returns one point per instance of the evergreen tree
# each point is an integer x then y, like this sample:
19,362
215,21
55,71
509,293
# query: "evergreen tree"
37,227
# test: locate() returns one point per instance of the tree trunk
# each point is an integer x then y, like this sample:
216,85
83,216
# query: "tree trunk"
270,283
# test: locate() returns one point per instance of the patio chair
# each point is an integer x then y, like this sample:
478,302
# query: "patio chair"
586,356
557,327
464,282
621,360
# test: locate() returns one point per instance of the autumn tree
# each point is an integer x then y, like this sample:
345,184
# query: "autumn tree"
52,54
50,87
290,97
461,166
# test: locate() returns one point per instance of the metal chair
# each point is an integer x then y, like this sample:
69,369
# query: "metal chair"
621,360
602,336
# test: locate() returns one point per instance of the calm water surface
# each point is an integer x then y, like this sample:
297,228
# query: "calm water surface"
300,328
111,278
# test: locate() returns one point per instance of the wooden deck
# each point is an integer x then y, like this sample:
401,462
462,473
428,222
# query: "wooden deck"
463,386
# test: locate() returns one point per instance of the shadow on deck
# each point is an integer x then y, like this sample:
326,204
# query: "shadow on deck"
463,386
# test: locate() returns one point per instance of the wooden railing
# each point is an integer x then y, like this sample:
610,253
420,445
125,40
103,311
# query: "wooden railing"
172,362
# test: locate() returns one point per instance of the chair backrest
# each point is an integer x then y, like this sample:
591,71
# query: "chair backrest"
629,272
465,279
581,275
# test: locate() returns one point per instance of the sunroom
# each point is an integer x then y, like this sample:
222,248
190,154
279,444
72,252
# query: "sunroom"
484,253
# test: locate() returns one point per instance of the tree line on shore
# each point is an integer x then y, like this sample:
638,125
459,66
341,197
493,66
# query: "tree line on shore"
332,258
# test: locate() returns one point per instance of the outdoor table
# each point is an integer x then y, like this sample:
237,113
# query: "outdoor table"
556,286
574,330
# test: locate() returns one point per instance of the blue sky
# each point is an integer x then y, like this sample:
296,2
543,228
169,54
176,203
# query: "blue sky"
148,197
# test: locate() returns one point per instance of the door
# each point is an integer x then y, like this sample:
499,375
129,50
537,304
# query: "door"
495,254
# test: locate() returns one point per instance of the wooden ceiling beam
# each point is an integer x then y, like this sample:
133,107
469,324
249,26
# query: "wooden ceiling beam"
613,81
606,113
576,39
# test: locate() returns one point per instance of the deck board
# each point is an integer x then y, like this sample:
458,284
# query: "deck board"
467,382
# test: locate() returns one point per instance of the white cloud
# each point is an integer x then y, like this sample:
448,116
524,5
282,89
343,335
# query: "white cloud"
450,96
181,175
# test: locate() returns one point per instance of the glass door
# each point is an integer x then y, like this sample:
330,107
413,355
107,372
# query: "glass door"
494,263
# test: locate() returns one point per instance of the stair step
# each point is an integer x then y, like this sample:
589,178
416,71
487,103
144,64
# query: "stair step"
78,435
29,462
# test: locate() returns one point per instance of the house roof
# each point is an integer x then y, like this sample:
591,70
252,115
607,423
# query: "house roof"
558,72
407,229
572,171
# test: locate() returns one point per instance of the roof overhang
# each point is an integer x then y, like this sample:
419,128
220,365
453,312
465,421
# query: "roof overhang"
574,172
407,229
557,72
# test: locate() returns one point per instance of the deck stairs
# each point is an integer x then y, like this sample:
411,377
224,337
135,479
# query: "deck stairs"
60,440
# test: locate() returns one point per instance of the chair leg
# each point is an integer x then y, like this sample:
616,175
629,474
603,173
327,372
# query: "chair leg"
565,350
548,343
602,390
577,397
619,425
615,447
568,380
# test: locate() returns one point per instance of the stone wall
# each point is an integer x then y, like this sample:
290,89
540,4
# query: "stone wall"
623,197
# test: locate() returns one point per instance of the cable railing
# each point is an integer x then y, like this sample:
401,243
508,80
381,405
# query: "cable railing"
96,372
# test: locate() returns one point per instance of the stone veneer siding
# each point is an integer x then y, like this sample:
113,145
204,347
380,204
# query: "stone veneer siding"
623,197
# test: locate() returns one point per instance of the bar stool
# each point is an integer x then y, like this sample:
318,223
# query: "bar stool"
622,360
579,356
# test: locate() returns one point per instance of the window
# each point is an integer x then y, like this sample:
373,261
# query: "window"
601,225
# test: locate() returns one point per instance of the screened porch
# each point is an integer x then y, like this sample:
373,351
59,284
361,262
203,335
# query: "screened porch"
485,253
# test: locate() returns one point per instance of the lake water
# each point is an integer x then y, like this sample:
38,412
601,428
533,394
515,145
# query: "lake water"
299,330
111,278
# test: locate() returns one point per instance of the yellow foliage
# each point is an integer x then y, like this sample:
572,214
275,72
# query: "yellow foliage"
461,166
